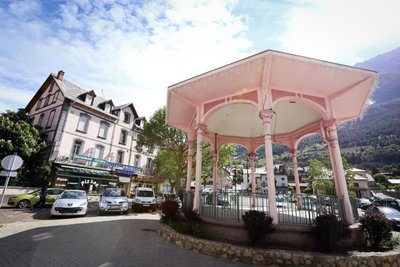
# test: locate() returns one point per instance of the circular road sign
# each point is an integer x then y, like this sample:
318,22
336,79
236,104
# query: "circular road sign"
12,162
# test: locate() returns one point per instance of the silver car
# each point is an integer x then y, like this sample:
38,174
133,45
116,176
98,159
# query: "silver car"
113,200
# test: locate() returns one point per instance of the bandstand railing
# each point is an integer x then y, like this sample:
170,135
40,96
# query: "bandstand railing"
230,206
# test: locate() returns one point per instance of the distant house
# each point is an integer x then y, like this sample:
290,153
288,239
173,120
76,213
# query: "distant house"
361,183
92,141
281,180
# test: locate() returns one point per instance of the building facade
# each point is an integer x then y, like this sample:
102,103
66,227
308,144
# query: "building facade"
92,141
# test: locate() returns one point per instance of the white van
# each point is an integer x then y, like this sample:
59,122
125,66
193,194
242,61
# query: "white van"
144,199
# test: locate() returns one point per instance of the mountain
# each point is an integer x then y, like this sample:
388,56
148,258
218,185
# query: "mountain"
388,67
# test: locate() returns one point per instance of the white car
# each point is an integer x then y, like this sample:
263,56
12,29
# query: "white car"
144,199
70,203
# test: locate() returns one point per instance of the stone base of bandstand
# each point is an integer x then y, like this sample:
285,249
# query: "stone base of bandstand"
232,241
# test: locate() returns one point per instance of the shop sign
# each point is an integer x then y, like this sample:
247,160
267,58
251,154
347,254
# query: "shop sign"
123,169
91,159
87,181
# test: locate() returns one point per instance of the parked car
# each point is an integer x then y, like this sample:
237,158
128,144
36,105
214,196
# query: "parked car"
384,202
281,201
69,203
222,199
113,200
308,202
363,202
32,198
392,215
144,199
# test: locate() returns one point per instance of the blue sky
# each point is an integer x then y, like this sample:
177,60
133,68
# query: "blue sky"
131,51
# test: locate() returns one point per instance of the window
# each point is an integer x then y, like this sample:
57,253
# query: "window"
51,118
77,148
107,108
89,99
123,137
99,151
39,103
127,117
40,121
83,123
46,100
148,164
137,160
120,157
55,96
103,130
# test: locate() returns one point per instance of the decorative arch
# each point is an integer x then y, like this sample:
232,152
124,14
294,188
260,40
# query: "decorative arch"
313,102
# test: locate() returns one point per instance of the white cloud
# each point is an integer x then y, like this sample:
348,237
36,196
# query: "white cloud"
132,58
341,30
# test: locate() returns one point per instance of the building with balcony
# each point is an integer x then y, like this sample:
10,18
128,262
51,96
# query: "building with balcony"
92,141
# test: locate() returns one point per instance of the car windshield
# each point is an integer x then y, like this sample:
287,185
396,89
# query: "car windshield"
36,191
391,212
145,194
114,192
73,195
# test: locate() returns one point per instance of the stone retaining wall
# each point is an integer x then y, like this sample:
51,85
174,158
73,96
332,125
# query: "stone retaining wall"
272,257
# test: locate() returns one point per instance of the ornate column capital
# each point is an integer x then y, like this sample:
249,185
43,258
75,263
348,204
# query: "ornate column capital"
200,127
190,143
252,156
266,114
330,132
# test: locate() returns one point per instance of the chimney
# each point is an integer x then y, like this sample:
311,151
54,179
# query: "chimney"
60,75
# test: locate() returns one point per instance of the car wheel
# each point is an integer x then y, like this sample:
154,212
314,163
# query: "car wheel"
99,212
24,204
125,212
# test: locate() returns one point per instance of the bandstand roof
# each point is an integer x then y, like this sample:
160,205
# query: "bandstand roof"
301,92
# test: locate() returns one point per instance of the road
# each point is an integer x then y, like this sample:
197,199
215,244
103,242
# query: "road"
111,240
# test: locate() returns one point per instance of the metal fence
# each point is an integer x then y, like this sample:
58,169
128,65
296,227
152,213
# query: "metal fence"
230,206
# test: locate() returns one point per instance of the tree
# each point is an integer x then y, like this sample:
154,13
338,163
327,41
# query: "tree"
224,159
17,134
157,134
170,161
322,176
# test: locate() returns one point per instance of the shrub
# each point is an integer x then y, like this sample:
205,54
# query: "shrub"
257,224
377,229
169,210
191,215
328,231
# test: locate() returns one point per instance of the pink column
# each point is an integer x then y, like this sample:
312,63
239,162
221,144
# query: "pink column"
336,159
296,177
200,128
215,170
252,156
266,116
189,165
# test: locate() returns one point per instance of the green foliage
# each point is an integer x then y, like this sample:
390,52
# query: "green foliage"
322,176
169,210
224,158
377,229
257,224
170,141
17,134
380,178
328,231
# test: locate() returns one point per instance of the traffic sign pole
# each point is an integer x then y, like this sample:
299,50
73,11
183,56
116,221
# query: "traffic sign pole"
8,178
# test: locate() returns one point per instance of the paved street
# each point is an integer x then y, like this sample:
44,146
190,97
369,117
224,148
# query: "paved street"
112,240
